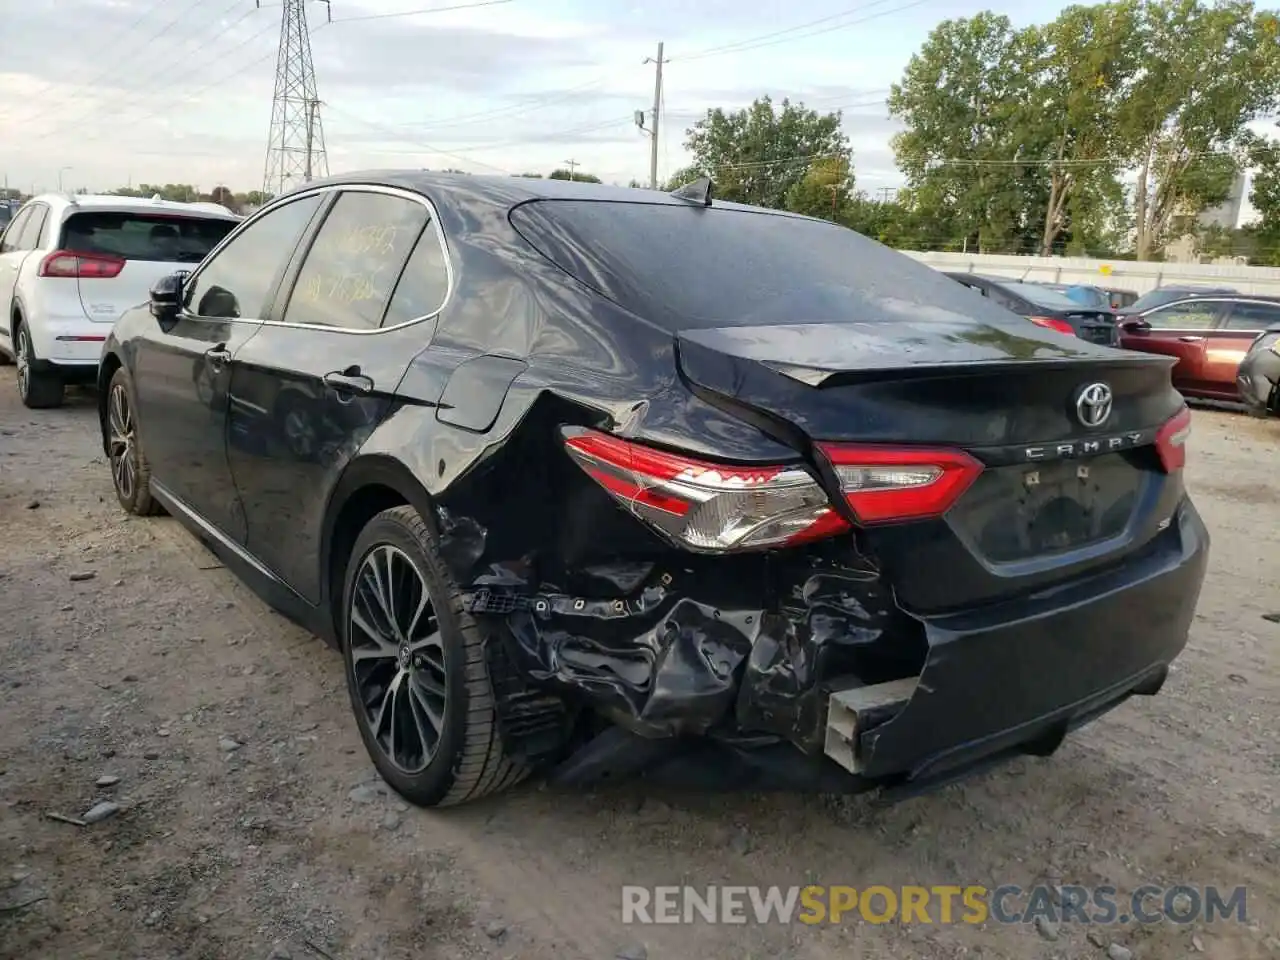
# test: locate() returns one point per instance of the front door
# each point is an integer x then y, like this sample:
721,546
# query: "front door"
183,370
1231,339
308,391
1179,330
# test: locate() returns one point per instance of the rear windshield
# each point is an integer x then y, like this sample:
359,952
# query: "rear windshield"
690,267
144,236
1041,296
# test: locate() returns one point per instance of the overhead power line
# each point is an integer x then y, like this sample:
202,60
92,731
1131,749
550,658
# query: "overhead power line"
799,32
414,13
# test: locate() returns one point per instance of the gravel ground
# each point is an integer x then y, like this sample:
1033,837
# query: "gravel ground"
135,670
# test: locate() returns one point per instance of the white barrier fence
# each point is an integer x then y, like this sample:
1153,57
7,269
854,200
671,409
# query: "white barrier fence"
1123,274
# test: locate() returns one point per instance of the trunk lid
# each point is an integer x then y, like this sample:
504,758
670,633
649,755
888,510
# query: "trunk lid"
104,299
1057,496
1095,326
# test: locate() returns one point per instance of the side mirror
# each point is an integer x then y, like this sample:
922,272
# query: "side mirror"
166,296
1134,325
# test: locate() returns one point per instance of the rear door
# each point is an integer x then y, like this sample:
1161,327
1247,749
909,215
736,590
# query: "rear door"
1179,330
1231,339
130,249
311,386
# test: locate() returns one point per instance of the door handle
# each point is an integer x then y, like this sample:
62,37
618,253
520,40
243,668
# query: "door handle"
350,380
218,356
1190,339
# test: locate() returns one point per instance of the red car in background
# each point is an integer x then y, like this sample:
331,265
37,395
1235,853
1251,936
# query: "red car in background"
1208,333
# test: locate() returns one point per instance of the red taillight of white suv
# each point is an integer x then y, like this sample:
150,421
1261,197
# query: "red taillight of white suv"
72,264
718,508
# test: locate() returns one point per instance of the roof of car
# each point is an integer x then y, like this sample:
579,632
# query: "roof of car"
502,189
113,201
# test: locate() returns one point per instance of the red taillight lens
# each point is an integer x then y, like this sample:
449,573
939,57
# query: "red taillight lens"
1060,325
1171,440
711,507
71,264
901,483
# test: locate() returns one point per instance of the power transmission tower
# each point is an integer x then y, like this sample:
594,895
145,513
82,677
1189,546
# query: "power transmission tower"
655,118
295,143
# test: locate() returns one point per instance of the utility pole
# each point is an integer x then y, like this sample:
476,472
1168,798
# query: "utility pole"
655,118
295,143
573,165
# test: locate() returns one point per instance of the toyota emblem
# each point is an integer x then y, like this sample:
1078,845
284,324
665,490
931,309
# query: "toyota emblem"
1093,405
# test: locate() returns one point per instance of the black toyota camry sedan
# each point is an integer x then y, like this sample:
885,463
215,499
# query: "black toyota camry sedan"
605,483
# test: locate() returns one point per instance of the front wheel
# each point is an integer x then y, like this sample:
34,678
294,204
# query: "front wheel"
130,471
39,390
416,669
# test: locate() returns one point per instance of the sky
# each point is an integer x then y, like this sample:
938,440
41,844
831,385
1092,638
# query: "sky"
104,93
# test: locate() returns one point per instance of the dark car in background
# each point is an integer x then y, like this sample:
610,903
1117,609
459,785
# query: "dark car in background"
1044,306
1086,294
571,489
1258,378
1164,295
1208,334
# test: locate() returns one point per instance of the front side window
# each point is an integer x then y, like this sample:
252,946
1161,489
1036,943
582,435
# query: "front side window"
352,267
241,276
1198,315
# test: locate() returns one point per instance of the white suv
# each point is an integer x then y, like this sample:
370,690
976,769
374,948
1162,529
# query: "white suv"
70,265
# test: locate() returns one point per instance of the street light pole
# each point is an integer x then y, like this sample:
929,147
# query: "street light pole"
60,172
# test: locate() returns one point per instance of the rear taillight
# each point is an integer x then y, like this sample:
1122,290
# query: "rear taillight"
901,483
1060,325
71,264
716,508
1171,440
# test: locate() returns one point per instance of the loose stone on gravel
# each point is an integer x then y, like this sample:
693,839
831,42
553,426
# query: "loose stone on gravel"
101,811
635,951
494,929
1046,928
82,576
1117,952
227,745
106,780
366,793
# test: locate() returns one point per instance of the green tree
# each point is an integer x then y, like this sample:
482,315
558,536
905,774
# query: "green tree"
1209,70
825,190
1088,59
1264,156
580,177
972,151
760,154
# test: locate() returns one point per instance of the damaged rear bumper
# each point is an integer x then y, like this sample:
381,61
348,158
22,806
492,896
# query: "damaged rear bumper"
708,693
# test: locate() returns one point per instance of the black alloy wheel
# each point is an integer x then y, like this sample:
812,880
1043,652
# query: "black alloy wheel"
416,670
397,658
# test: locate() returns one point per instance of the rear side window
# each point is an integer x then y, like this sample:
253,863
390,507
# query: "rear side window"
30,239
423,284
355,261
1252,316
14,231
163,238
687,266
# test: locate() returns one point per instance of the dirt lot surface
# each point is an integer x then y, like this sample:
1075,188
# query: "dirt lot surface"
253,826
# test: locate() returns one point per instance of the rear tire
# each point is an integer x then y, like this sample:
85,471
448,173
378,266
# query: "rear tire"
422,679
130,471
39,391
